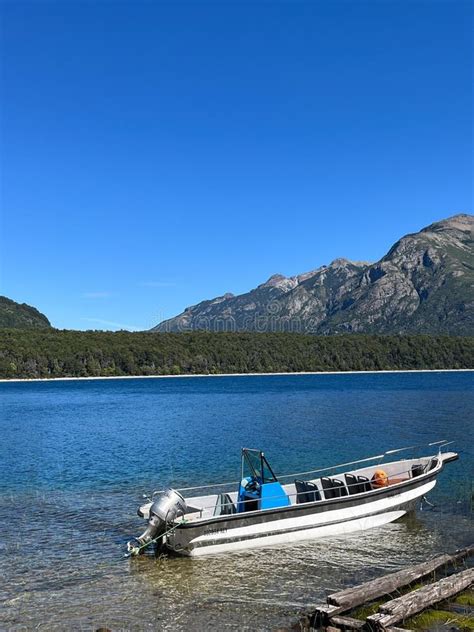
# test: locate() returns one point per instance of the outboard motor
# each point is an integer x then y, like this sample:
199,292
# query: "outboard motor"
167,507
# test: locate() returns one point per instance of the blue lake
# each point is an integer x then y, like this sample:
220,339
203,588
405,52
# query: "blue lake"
76,456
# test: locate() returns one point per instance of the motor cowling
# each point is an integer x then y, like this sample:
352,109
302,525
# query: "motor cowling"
165,509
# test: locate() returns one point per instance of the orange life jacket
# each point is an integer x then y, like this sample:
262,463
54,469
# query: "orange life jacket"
379,479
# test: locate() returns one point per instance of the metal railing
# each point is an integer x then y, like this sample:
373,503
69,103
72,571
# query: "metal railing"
379,457
211,509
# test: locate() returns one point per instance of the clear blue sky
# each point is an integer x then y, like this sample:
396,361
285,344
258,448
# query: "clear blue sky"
156,154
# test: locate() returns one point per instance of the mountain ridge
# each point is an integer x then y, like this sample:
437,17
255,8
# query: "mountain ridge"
424,284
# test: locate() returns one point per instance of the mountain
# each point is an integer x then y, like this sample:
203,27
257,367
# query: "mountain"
20,315
424,284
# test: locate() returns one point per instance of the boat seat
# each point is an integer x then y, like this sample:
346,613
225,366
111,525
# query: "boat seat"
306,492
333,487
353,485
339,487
224,506
328,487
431,465
365,483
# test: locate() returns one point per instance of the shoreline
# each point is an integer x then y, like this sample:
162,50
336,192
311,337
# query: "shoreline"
214,375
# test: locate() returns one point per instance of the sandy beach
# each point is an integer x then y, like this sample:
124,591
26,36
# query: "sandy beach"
188,375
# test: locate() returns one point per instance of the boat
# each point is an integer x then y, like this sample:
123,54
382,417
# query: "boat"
261,510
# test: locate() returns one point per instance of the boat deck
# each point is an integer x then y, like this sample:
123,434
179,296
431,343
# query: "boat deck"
211,505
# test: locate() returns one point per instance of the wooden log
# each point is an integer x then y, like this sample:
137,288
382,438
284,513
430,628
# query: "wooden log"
322,614
412,603
347,623
358,595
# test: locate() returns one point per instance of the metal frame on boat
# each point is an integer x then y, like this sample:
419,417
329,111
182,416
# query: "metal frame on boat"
263,511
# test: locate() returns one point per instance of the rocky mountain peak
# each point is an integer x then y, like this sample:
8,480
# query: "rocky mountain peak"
461,222
274,280
425,283
280,282
342,262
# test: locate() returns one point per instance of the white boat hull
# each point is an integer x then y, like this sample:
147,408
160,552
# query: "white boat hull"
359,524
336,522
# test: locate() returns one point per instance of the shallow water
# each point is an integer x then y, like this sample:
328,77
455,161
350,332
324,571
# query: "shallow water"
75,458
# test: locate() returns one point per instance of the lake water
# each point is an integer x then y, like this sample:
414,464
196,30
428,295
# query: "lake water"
76,456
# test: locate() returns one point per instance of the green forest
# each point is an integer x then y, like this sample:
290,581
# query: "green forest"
50,353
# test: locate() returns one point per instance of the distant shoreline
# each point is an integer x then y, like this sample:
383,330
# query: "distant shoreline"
189,375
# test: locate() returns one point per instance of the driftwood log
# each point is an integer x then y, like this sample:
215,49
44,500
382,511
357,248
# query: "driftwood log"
412,603
347,623
358,595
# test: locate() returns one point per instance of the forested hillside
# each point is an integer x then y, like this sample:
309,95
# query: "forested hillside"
53,353
20,315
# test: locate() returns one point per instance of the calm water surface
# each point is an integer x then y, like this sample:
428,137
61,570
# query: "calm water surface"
76,456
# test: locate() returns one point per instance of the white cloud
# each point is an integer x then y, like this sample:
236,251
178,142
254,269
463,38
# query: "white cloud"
110,323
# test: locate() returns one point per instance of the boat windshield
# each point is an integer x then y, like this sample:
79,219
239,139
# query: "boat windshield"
256,465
